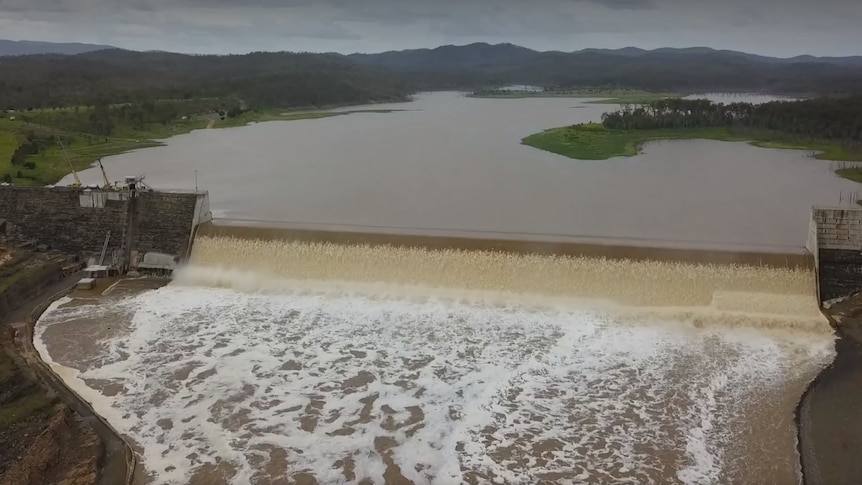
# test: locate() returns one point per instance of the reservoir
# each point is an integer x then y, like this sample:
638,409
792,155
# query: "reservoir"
451,163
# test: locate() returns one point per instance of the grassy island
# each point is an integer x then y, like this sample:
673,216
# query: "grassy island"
830,127
592,141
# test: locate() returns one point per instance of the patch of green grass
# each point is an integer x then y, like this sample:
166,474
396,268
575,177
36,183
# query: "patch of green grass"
7,367
19,398
854,174
52,165
8,145
644,98
23,407
595,142
260,116
83,149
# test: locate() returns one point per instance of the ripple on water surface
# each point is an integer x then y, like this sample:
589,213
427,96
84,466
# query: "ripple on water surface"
340,387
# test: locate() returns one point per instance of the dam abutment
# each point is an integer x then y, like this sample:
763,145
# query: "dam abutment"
90,221
836,241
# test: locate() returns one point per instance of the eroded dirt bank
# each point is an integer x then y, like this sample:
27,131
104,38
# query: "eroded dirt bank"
42,440
830,433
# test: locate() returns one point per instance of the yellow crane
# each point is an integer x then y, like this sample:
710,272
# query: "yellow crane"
108,184
66,155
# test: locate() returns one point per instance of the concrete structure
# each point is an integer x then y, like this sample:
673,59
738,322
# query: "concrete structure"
82,220
86,284
157,263
835,240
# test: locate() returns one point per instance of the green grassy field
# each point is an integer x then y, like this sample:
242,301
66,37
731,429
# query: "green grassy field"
595,142
854,174
83,149
8,145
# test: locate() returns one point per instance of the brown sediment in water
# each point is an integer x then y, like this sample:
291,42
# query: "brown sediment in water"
775,296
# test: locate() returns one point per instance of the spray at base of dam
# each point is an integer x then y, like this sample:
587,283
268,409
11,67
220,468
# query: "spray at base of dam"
314,362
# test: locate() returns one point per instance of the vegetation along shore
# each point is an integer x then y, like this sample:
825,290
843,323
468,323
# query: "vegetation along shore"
829,126
62,110
601,95
37,147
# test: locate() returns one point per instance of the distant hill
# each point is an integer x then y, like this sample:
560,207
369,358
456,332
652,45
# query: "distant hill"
29,47
449,57
287,79
694,68
482,54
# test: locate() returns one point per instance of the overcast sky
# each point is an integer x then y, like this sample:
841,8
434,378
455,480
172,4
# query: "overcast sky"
772,27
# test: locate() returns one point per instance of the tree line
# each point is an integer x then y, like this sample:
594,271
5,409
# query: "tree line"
833,118
284,79
261,79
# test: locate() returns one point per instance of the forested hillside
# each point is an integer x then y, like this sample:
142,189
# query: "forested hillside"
680,70
291,79
261,79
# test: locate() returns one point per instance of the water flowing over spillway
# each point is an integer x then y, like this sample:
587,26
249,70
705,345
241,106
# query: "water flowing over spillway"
278,362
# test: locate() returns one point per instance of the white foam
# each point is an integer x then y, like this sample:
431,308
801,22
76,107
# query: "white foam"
499,382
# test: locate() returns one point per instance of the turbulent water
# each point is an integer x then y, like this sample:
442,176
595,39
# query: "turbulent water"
270,362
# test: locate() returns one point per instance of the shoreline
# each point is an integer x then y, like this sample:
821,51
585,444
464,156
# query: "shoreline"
121,459
53,165
592,141
828,437
118,461
600,97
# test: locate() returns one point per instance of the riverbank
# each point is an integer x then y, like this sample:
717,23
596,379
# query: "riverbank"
592,141
42,439
603,96
830,432
82,149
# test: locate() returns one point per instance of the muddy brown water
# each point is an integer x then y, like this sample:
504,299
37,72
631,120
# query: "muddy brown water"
280,362
456,164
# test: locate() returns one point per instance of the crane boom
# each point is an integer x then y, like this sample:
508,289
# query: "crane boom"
104,175
66,155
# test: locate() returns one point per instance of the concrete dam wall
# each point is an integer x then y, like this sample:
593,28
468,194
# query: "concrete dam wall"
836,241
78,220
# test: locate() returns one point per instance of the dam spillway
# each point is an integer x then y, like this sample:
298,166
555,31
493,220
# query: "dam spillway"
270,359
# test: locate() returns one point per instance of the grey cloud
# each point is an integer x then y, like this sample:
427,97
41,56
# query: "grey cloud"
783,27
625,4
